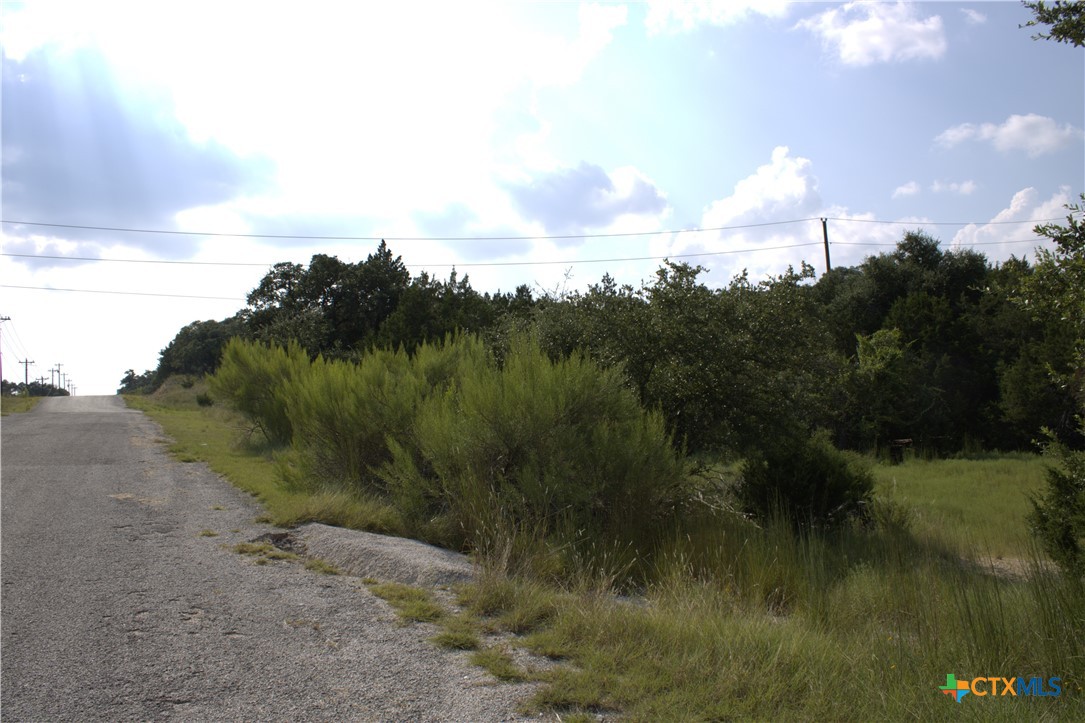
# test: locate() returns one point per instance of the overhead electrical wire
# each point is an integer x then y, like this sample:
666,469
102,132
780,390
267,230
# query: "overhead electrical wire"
303,237
125,293
457,265
557,237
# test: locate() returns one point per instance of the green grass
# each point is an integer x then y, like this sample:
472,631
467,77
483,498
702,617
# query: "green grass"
223,440
322,566
968,503
15,405
412,604
264,552
498,663
738,622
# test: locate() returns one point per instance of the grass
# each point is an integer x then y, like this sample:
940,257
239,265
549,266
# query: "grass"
412,604
743,622
968,503
15,405
222,439
264,552
322,566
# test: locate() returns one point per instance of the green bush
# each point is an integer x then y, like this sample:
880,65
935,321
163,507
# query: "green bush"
809,482
257,380
1058,515
343,414
536,448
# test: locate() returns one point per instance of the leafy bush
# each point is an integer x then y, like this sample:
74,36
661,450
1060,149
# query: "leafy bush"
809,482
1058,516
257,380
537,448
344,413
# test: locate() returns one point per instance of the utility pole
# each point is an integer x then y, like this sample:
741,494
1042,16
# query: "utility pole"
59,375
2,320
825,236
26,373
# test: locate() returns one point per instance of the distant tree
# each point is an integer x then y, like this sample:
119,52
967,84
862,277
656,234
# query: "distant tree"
133,383
196,348
1066,20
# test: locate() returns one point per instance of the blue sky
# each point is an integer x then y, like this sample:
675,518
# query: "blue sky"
427,120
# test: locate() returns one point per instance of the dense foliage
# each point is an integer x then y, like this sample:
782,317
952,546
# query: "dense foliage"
937,347
33,389
467,450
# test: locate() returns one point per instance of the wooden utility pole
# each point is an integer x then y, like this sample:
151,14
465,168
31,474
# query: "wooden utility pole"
825,236
26,373
2,320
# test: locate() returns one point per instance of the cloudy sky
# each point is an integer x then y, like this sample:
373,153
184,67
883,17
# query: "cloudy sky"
600,138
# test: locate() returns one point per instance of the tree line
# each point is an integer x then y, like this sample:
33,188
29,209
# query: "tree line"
939,347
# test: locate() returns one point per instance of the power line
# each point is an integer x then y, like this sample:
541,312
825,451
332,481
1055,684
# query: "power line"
943,223
309,237
1037,239
456,265
125,293
407,238
134,261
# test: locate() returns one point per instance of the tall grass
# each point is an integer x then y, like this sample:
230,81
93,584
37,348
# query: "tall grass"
539,458
741,621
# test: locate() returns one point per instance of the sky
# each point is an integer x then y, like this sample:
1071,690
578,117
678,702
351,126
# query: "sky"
158,158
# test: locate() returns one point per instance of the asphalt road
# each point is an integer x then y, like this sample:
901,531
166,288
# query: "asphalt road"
116,607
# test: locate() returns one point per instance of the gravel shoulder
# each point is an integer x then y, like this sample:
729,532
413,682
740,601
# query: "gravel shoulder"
118,604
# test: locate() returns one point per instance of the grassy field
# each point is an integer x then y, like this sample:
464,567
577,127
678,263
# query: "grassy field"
13,405
745,622
967,504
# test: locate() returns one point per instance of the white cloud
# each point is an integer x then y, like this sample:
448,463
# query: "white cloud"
964,188
910,188
1010,230
783,190
683,16
1034,134
863,33
973,17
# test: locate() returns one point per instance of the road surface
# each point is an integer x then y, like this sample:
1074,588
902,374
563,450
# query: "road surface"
116,607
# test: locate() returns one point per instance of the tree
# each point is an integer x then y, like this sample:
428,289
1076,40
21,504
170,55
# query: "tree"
133,383
1066,19
196,348
1055,291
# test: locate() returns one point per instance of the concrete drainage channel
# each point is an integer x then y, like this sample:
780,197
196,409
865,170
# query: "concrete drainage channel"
365,554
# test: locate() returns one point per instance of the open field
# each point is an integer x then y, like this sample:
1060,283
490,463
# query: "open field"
742,622
12,405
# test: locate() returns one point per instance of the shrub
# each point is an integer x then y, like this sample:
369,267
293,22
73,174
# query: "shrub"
809,482
554,449
256,379
344,413
1058,516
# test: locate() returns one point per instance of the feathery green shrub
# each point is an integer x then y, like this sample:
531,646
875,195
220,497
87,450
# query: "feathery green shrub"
257,380
550,449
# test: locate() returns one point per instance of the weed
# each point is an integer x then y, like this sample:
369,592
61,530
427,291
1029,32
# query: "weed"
498,663
15,405
458,633
208,533
317,565
412,604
